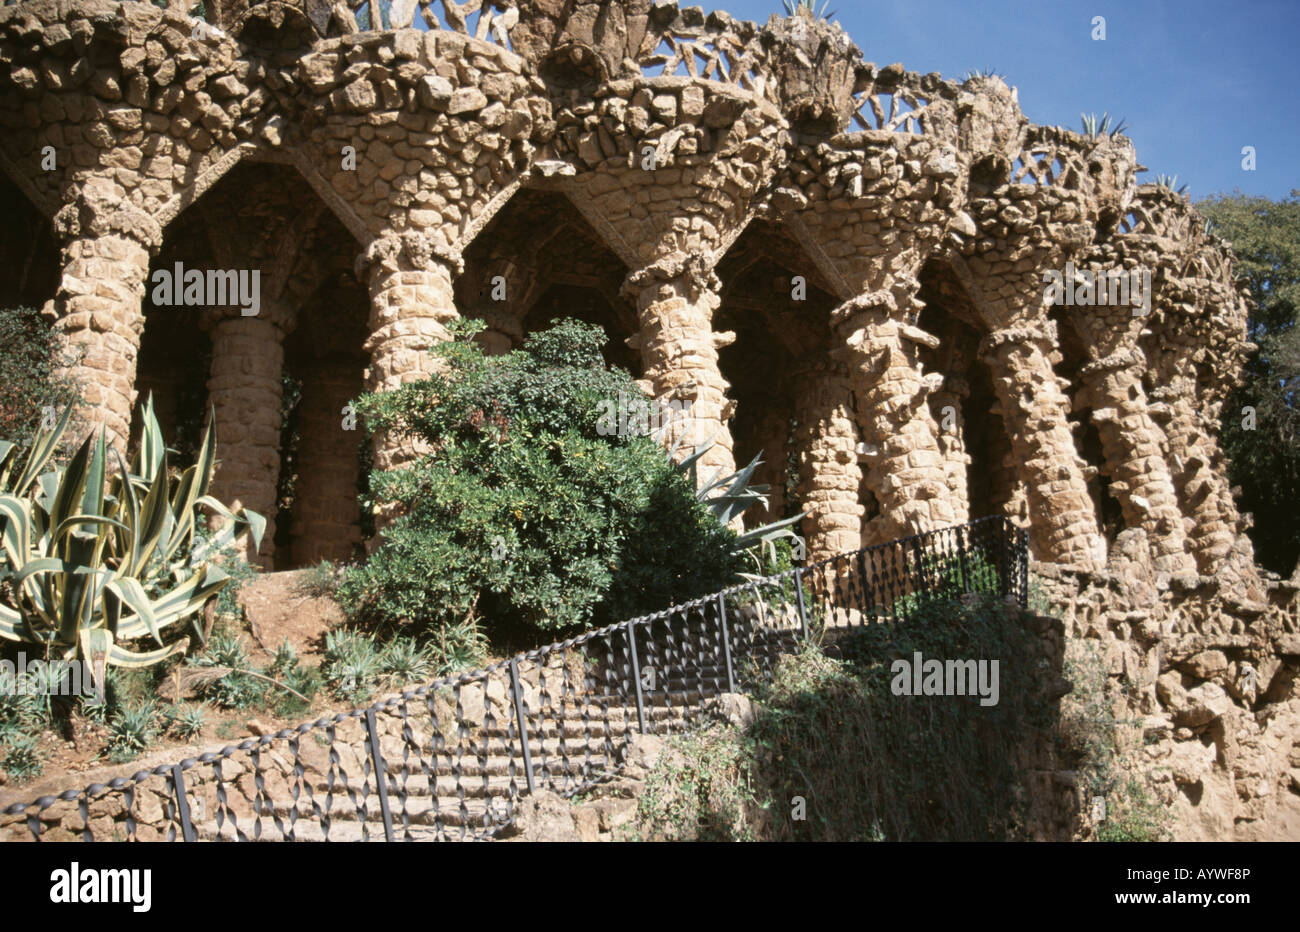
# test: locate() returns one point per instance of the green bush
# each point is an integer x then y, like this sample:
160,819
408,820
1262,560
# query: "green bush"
20,757
30,389
700,790
186,721
834,755
524,516
132,729
319,581
234,689
948,577
1101,749
285,668
352,664
21,708
403,661
1135,816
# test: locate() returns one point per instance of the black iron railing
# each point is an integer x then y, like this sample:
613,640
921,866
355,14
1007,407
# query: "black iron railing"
450,760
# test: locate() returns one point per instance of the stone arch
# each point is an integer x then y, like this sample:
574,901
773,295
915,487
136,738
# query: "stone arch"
275,24
260,218
537,259
241,155
777,304
33,195
978,461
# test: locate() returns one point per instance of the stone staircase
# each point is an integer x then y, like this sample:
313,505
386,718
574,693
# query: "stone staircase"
464,790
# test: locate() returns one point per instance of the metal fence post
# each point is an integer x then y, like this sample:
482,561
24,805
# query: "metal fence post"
963,559
522,723
798,599
726,641
868,587
1008,555
182,804
1022,545
636,676
381,773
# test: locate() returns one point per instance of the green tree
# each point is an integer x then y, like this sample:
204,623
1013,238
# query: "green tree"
528,512
1265,462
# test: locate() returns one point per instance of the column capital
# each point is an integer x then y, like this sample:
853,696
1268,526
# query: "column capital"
276,313
1026,335
1131,358
409,250
99,210
694,267
867,301
898,296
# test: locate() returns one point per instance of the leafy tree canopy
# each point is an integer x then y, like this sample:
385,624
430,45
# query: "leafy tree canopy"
1265,462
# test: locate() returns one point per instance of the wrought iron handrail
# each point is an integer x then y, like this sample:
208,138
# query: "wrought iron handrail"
450,759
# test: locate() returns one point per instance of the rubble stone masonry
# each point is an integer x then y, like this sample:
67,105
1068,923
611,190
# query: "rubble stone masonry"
620,161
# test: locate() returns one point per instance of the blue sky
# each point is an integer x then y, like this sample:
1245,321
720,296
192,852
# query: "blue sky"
1195,80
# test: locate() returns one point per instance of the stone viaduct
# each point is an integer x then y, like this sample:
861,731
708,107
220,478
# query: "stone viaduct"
837,263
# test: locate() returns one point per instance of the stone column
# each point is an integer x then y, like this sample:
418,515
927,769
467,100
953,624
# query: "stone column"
772,438
1034,407
675,300
1213,521
952,442
1006,485
244,388
904,464
411,304
97,309
326,519
1132,446
830,477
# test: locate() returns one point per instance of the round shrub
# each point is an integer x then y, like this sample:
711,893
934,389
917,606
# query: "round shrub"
527,514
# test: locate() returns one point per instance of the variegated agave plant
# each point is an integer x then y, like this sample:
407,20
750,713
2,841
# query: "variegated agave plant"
95,557
728,497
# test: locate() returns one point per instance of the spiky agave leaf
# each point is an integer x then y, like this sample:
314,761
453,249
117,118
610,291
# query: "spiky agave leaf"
92,554
728,497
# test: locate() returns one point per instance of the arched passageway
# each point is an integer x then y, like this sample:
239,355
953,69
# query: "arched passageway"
275,357
538,260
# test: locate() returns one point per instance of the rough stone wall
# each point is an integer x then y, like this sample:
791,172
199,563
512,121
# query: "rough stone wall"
670,132
1207,683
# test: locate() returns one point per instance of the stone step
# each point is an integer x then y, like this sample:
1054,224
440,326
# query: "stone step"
497,775
577,741
578,730
660,719
498,766
454,826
